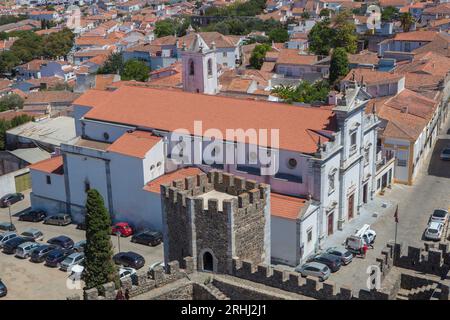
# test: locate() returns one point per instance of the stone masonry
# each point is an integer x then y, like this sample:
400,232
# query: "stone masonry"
216,215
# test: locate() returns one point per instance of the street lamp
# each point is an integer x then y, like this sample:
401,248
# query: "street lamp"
118,239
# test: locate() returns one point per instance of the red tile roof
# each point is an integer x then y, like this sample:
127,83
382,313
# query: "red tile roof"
425,36
292,56
154,185
52,165
287,207
134,144
171,110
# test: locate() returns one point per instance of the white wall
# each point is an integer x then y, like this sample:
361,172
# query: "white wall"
284,241
8,183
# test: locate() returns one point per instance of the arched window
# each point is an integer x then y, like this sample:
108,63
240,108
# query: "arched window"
191,67
210,71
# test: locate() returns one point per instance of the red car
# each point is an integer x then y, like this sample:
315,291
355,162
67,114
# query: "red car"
123,228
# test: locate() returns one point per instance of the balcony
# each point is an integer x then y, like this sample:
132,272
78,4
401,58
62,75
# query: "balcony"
383,160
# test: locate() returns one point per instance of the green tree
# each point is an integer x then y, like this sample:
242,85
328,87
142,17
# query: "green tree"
321,37
389,13
58,44
345,32
406,21
338,64
279,35
28,47
9,124
305,15
11,102
113,65
8,60
325,12
164,28
99,265
258,55
305,92
135,70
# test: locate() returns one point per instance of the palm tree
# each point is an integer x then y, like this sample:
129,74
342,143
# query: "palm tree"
406,20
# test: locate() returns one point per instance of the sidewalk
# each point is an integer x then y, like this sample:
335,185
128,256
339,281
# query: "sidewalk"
369,214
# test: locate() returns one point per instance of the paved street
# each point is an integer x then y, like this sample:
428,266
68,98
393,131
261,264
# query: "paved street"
416,203
27,280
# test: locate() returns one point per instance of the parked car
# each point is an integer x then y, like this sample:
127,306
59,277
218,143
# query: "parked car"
7,226
434,231
10,246
6,236
129,259
10,199
342,253
440,215
56,256
148,237
314,269
3,289
25,249
125,272
33,233
445,154
331,261
60,219
62,242
79,246
72,260
33,216
122,228
40,253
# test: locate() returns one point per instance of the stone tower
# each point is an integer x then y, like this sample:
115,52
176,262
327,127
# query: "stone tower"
199,67
215,218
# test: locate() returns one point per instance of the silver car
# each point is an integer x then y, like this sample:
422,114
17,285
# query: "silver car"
6,236
434,231
25,249
445,154
342,253
439,215
33,233
72,260
314,269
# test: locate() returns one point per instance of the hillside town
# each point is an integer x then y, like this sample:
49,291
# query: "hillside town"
224,150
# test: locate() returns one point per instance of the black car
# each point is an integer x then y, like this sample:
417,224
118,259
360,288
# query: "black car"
10,246
33,216
56,256
3,289
62,242
129,259
331,261
10,199
40,253
151,238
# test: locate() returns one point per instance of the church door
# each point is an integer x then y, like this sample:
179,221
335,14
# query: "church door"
207,261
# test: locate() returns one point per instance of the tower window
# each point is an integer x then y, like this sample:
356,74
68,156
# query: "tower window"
210,71
191,67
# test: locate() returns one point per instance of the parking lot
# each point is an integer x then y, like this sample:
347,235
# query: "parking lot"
27,280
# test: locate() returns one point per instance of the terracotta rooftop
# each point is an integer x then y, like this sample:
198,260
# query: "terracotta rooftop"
292,56
425,36
287,207
134,144
373,77
52,165
154,185
364,57
171,110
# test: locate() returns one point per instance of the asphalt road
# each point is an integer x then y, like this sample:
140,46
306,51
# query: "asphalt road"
27,280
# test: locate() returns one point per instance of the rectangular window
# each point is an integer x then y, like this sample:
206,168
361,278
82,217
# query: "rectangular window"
224,54
309,232
49,179
366,156
353,143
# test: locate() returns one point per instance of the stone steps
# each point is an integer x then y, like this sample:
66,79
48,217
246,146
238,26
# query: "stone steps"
404,294
216,292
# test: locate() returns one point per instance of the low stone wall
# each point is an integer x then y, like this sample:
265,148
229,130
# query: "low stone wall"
242,292
144,282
